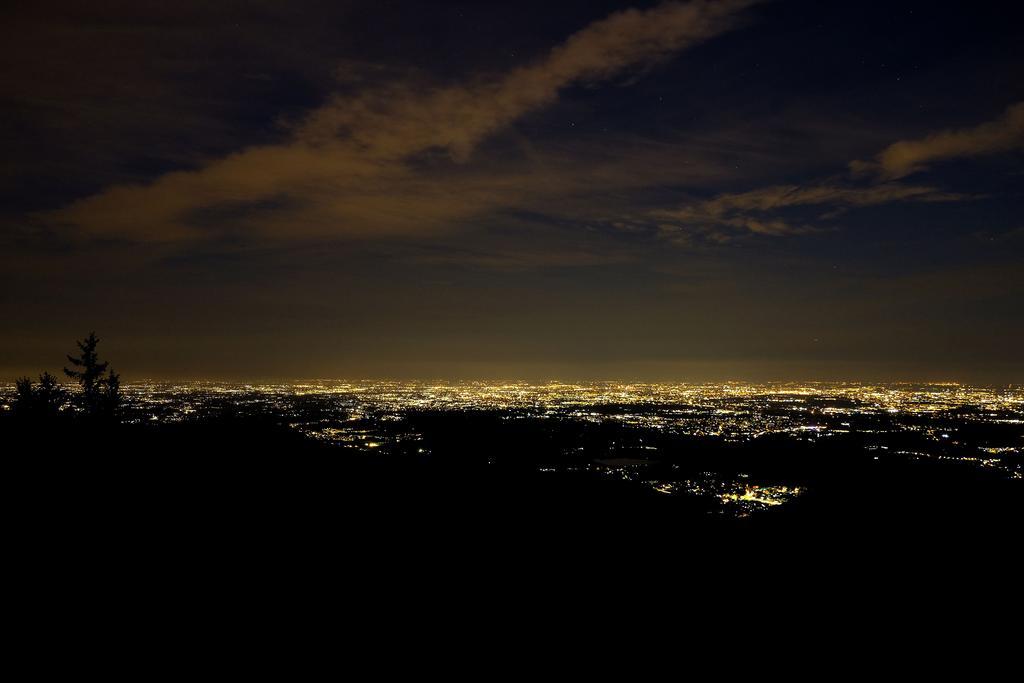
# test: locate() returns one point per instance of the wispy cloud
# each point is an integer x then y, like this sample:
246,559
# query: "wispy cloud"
726,216
910,156
356,164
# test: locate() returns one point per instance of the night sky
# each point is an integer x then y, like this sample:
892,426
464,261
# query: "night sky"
516,190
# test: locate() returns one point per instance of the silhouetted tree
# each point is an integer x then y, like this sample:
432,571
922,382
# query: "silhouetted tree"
42,402
88,372
49,395
111,398
24,401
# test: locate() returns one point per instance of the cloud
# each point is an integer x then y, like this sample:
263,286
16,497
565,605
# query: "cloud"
726,216
910,156
387,160
392,122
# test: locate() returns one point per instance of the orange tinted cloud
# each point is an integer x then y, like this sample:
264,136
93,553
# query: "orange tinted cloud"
910,156
346,168
750,212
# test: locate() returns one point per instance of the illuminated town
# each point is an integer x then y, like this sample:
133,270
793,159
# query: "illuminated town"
637,434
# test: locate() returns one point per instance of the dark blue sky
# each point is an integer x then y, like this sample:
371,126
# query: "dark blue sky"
715,190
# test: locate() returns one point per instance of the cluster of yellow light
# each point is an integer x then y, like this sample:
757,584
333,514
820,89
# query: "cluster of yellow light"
763,495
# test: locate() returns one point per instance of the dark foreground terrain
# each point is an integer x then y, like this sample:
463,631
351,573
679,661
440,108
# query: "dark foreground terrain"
156,538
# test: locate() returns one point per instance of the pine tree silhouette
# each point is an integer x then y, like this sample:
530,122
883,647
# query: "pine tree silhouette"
49,396
42,402
112,395
24,401
89,373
